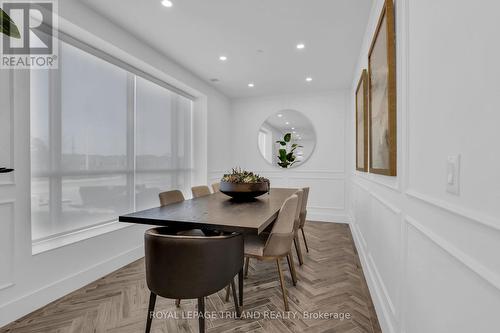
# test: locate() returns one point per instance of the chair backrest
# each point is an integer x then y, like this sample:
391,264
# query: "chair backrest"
303,211
216,187
280,240
200,191
170,197
300,196
187,267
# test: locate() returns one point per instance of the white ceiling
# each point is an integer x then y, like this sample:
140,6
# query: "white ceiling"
194,33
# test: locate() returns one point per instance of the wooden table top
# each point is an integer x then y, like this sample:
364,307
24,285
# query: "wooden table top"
216,211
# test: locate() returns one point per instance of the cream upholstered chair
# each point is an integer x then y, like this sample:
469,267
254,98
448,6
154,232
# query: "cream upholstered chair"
176,196
296,224
200,191
278,244
303,215
170,197
216,187
298,249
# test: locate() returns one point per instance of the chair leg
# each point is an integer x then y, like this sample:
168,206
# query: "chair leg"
247,262
151,308
201,312
235,299
240,286
177,302
282,282
298,249
305,241
228,291
291,265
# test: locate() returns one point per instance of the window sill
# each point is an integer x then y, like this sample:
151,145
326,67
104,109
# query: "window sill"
45,245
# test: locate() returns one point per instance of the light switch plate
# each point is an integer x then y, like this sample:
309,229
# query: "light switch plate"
453,174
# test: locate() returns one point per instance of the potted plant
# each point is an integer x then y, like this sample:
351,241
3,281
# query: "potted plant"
7,26
286,152
243,185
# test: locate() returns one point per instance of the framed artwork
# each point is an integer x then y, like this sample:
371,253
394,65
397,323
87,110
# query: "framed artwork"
382,95
362,123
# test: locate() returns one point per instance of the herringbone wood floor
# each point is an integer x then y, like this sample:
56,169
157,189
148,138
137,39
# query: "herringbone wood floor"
331,280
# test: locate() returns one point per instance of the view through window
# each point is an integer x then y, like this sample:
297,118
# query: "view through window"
103,142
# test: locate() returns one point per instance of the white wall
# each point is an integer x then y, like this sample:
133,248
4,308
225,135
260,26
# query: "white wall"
430,257
28,281
323,172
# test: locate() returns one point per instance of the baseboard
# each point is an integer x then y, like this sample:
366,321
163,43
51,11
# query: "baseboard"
328,217
375,292
28,303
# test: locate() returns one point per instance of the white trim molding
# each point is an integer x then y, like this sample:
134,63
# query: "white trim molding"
470,215
466,260
56,242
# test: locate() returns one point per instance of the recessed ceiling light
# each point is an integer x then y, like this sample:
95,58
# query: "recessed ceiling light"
309,79
222,58
300,46
287,123
280,115
167,3
251,85
293,128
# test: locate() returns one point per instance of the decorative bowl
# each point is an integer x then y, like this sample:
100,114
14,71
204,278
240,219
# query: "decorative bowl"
244,191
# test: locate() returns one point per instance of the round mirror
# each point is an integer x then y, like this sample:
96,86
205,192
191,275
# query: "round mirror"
287,139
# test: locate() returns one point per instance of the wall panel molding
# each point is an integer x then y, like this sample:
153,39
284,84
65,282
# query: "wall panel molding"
466,260
7,241
330,207
378,296
9,179
381,284
470,215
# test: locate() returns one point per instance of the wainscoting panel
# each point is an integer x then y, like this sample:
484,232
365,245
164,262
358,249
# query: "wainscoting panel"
461,298
386,223
327,190
379,296
6,243
6,127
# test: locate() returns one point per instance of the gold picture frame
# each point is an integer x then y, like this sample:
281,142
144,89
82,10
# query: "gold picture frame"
362,122
382,95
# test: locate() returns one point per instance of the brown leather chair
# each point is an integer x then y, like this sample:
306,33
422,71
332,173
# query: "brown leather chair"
278,244
188,267
216,187
303,215
200,191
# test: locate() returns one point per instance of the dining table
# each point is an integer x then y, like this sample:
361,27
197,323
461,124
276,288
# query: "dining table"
216,211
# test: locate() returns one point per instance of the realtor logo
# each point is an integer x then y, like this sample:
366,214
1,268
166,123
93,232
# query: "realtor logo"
28,34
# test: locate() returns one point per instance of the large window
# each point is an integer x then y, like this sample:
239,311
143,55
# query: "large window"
104,141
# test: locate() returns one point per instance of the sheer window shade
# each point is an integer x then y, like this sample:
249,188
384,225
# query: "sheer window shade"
104,142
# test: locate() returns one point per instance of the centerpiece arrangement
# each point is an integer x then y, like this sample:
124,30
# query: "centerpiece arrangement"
243,185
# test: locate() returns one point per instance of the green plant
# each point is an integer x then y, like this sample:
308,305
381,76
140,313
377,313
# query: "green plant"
5,170
241,176
287,158
7,26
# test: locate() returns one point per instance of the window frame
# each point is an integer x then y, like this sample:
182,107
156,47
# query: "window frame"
55,122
